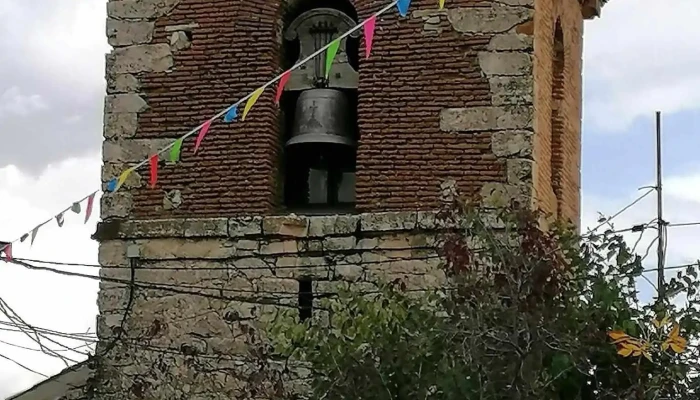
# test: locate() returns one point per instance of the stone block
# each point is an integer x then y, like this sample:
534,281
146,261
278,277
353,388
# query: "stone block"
198,227
172,200
494,19
367,244
125,103
132,150
510,42
497,195
112,253
519,171
120,126
115,205
126,33
140,58
505,63
179,41
339,243
478,119
244,226
140,9
320,226
283,247
511,90
349,273
182,27
512,144
291,226
169,249
122,83
388,221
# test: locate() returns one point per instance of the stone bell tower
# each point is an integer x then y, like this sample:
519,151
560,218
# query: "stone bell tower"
336,185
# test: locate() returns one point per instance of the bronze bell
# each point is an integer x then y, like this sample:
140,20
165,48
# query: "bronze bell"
321,116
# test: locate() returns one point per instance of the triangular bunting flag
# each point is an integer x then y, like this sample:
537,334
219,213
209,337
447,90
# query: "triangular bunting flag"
75,208
24,237
122,178
330,55
153,161
441,3
34,232
175,151
88,209
59,220
280,86
369,27
231,114
8,252
112,185
202,133
251,101
403,5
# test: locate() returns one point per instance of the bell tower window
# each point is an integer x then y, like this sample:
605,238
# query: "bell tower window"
320,114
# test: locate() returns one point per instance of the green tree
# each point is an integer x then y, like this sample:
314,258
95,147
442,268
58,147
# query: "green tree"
531,313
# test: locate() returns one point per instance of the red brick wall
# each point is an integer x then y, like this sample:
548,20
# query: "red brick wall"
402,156
411,77
234,50
557,147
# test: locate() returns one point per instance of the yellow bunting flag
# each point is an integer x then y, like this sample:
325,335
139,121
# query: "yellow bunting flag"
251,101
441,3
122,178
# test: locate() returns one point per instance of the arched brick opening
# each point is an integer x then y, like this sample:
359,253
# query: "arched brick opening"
558,123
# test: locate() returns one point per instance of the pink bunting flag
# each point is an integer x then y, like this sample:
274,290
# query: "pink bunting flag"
34,232
153,161
370,26
88,210
8,251
280,86
59,220
202,132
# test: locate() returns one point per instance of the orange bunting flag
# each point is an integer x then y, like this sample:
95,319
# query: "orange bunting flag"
153,161
88,208
441,3
251,101
369,27
280,86
8,251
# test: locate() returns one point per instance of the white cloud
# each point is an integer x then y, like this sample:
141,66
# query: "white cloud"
14,101
641,56
681,204
63,40
45,299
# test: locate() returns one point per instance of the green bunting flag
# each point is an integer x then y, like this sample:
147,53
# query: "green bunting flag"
175,151
330,55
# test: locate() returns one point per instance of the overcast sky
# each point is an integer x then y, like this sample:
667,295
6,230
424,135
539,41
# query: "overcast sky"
641,56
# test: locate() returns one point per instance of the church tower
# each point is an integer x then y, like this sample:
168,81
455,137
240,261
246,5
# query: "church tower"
337,182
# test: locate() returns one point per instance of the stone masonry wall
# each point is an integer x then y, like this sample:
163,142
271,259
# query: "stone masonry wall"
202,285
446,95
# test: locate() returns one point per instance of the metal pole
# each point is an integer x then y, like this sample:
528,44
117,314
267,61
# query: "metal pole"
659,212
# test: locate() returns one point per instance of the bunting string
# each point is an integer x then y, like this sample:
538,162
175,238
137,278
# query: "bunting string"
174,149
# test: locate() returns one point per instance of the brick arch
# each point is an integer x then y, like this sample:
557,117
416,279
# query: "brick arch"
557,116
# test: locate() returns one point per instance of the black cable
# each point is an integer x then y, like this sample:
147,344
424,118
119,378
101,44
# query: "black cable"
129,305
22,366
